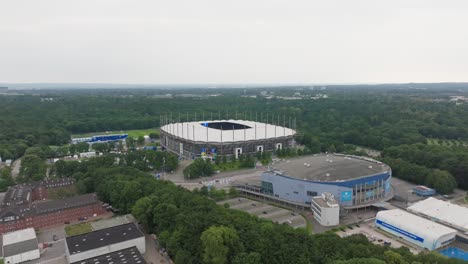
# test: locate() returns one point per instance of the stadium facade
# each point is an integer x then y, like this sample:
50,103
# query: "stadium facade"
354,181
224,137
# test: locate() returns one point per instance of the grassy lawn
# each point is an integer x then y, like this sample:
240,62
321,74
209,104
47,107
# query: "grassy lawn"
60,193
131,133
446,142
78,229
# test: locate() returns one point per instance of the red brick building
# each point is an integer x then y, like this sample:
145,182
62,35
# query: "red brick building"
23,206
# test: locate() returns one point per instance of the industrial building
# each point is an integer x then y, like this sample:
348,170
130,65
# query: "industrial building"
422,190
415,229
103,242
326,209
444,212
23,205
225,137
20,246
354,181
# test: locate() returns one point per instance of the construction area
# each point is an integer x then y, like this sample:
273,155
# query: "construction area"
273,213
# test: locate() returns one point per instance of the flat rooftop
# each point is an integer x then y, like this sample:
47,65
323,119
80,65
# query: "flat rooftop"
124,256
330,167
20,241
103,237
323,203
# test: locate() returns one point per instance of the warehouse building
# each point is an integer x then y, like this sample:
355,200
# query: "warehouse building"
104,242
20,246
415,229
444,212
326,209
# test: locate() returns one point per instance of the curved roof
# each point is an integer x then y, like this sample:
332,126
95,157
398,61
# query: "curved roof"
330,168
226,130
452,214
414,225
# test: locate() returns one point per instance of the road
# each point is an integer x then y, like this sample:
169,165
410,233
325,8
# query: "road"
152,255
15,168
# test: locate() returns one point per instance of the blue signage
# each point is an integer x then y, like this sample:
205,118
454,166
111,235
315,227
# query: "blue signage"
400,231
346,196
387,186
369,194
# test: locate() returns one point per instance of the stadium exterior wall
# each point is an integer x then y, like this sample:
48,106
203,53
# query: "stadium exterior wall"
189,148
354,192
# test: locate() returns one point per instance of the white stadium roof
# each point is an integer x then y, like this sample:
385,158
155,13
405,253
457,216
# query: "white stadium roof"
452,214
414,224
198,131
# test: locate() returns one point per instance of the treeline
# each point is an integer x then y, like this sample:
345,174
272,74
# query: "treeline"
418,157
206,167
194,229
378,119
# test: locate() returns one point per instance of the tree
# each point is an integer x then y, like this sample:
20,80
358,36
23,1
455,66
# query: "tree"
5,179
72,149
220,243
100,147
247,258
393,258
141,140
198,168
81,147
32,168
130,142
441,181
154,135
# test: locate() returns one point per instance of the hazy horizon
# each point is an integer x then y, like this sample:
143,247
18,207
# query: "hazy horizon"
234,43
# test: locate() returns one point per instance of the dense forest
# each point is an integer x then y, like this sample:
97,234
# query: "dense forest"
194,229
390,119
420,134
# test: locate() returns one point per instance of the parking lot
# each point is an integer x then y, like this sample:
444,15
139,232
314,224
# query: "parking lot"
275,214
377,237
55,252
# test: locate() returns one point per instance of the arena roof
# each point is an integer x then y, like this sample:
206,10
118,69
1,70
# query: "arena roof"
452,214
217,130
414,224
329,167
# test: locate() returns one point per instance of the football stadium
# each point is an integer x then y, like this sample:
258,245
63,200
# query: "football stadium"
354,181
224,137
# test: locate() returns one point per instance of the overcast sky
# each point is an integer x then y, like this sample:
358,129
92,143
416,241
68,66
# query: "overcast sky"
235,41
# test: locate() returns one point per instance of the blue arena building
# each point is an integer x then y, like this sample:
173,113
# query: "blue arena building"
355,181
